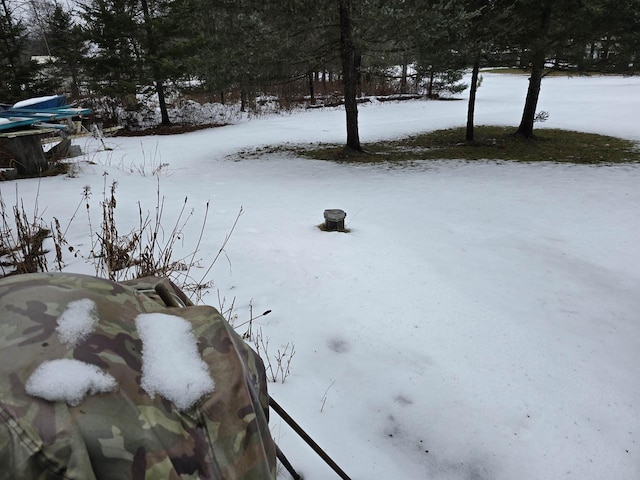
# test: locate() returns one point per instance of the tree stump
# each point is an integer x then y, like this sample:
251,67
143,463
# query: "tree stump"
27,152
334,220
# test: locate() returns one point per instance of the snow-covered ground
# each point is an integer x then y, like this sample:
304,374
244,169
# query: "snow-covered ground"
479,321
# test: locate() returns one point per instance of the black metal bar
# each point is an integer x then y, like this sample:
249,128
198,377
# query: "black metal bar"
316,448
285,462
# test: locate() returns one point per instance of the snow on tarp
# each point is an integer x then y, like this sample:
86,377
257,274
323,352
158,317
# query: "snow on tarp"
171,363
50,101
77,321
68,380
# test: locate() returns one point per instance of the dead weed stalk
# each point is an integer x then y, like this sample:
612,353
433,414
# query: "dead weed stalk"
22,238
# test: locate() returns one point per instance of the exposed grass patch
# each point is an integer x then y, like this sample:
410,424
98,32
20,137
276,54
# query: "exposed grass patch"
547,73
55,168
323,227
492,143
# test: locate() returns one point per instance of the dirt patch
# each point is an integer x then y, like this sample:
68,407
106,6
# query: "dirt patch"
166,130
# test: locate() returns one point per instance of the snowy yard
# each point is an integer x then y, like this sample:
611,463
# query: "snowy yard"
479,321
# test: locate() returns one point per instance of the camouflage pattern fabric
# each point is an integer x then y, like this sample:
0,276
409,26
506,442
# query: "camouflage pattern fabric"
124,434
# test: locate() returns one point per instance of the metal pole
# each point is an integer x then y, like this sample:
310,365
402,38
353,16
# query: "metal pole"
285,462
298,429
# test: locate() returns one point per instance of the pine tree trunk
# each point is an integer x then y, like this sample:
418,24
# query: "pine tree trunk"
349,74
533,92
164,114
403,77
358,72
152,51
75,89
430,85
537,70
472,100
312,94
243,99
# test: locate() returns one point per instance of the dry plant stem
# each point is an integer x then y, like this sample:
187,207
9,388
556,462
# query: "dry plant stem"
58,241
262,345
252,318
197,249
86,193
23,251
224,244
228,313
324,397
157,257
115,251
176,234
145,250
282,359
249,332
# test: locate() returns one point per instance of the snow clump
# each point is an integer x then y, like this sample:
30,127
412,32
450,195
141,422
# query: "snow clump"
77,321
171,364
68,380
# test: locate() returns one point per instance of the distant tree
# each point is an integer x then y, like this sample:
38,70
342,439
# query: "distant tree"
539,22
231,45
432,35
66,44
251,43
549,33
613,37
19,74
137,43
153,57
348,55
114,61
485,30
37,13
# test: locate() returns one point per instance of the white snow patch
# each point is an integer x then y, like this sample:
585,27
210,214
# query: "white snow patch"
77,321
68,380
171,363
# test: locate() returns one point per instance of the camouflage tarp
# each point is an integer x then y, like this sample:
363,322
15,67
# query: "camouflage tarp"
124,433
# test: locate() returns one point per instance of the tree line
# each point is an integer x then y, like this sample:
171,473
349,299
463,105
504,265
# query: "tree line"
117,47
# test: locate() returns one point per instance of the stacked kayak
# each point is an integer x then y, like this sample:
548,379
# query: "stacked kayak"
39,112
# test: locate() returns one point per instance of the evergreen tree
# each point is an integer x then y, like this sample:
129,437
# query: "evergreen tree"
613,37
67,45
348,55
137,42
18,79
486,26
37,13
559,31
114,63
151,41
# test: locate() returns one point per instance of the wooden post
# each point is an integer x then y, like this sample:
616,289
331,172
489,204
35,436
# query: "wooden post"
28,155
26,148
334,220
